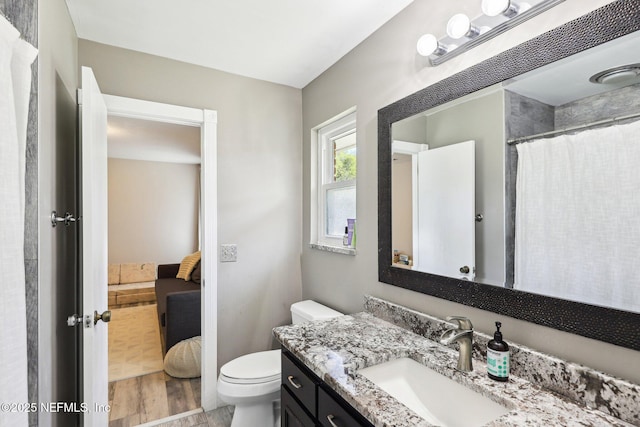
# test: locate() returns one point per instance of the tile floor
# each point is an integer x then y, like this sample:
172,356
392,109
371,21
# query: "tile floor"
220,417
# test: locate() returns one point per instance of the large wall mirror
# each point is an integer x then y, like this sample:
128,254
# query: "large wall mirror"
511,186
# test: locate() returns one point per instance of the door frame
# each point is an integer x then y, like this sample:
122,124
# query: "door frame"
412,149
206,120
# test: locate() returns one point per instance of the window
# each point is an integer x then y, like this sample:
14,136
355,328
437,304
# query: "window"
335,180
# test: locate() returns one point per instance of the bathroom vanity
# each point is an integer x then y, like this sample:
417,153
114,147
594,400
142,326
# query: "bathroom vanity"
324,359
307,401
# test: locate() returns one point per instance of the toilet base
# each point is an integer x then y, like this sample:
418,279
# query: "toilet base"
254,414
276,412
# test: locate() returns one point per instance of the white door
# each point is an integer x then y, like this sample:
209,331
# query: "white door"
444,243
93,226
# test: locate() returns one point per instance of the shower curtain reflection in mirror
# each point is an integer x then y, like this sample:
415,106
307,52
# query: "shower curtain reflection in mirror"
577,231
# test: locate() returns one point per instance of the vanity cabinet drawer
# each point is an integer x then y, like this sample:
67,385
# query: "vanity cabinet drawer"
300,382
292,413
333,411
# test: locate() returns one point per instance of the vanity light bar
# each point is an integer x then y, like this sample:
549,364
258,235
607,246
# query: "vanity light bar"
464,34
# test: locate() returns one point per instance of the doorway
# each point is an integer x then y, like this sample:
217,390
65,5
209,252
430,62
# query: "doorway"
154,213
120,108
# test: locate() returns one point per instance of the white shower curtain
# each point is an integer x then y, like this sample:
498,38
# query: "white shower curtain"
578,217
16,57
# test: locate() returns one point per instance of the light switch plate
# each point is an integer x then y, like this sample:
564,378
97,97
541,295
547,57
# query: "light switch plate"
229,252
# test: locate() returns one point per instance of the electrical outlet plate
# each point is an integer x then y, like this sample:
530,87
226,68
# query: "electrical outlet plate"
228,253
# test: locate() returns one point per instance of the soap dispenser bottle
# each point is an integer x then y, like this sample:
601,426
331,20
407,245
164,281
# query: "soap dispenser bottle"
498,357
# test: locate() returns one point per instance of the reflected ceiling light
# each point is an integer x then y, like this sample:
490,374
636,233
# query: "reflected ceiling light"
619,75
498,17
459,26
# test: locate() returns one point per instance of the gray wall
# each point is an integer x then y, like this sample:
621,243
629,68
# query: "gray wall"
412,129
259,175
383,69
608,105
153,211
480,119
525,116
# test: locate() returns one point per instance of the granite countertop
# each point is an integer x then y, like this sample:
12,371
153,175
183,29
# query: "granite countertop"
335,349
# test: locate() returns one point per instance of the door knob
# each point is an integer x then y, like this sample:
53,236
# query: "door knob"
105,316
67,218
464,270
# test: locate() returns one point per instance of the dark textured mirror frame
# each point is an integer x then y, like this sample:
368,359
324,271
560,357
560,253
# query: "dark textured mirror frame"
604,324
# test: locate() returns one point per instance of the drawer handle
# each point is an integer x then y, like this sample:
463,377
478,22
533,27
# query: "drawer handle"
330,418
292,382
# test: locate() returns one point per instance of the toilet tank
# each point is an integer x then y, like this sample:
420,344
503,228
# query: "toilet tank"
308,311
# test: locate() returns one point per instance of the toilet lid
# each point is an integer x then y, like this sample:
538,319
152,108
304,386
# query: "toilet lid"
253,368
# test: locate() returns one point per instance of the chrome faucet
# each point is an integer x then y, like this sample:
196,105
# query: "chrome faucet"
463,333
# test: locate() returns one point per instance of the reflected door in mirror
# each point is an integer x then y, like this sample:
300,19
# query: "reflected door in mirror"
444,236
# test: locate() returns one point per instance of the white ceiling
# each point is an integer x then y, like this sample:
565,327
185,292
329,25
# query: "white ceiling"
568,80
290,42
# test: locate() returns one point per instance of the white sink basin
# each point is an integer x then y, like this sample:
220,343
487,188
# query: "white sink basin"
439,400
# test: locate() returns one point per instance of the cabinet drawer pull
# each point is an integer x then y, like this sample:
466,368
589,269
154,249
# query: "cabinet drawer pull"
330,418
292,382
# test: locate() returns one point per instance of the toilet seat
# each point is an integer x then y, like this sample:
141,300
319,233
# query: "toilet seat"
254,368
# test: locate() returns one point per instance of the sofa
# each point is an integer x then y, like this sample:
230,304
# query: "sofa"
178,303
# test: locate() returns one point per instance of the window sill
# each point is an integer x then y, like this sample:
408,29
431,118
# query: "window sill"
335,249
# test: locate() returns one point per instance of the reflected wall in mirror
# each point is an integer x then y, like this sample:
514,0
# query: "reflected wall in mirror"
465,242
539,91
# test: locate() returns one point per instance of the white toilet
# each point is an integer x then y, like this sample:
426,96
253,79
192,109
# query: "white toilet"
252,382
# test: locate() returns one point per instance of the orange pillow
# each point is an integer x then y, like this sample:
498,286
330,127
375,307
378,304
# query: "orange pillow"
187,265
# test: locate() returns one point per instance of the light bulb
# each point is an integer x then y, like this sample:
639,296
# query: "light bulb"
427,45
495,7
459,26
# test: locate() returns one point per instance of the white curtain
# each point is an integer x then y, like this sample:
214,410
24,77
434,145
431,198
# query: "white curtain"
16,57
578,217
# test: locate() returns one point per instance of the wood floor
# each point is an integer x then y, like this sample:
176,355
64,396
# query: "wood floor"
156,395
151,397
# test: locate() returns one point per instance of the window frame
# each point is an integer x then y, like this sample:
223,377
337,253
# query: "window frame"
323,173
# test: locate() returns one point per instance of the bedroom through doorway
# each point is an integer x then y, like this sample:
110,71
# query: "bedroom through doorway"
154,220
